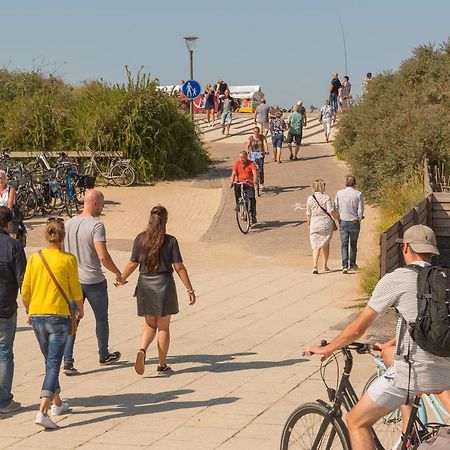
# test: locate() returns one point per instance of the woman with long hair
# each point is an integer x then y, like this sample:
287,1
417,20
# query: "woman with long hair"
157,254
50,280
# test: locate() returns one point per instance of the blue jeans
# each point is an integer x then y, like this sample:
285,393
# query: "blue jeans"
349,232
334,102
7,335
277,140
97,296
51,333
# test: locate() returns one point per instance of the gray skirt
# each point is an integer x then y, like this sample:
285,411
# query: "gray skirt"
156,295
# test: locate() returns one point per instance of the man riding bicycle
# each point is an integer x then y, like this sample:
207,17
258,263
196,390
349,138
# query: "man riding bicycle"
244,171
414,370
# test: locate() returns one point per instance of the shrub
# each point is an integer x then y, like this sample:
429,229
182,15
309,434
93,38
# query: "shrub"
135,118
401,119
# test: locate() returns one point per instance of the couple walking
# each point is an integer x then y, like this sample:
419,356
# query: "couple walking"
348,210
53,276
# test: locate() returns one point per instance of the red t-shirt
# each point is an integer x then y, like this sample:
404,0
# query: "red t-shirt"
244,172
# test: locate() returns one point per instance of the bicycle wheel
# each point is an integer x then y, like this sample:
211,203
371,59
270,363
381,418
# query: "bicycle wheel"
389,428
71,205
303,425
123,175
27,202
243,216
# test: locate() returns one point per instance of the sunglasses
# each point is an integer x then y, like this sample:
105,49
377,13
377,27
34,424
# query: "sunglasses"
53,219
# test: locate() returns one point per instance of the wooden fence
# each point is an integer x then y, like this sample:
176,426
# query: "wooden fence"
433,211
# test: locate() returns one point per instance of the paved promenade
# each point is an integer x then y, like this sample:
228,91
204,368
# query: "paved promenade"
236,353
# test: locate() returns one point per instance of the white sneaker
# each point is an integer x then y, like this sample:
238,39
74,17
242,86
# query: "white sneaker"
45,421
261,187
60,410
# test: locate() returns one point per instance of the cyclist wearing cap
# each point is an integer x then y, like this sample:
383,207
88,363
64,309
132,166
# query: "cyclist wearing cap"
414,370
244,171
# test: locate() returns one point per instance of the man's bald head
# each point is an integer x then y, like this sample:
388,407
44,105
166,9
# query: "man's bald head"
93,202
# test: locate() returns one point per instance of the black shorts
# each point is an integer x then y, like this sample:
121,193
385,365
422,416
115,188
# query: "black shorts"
294,137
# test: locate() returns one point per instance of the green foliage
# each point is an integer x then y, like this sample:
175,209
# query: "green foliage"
401,119
136,119
398,199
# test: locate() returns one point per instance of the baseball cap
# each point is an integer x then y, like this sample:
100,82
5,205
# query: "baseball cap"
421,239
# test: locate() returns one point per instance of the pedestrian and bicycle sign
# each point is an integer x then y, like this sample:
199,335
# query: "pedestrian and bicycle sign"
191,89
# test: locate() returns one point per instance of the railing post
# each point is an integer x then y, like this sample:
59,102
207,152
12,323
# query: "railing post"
383,254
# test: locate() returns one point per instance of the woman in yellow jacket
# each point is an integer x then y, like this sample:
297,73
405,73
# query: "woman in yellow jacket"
49,314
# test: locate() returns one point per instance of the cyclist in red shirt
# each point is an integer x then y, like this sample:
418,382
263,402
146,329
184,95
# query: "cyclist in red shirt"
244,170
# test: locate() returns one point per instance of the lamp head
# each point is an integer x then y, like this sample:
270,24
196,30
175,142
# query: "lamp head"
190,42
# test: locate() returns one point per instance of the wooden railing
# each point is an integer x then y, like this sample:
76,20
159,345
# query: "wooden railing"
433,211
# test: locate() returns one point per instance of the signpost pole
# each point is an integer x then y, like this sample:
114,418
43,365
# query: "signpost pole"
191,64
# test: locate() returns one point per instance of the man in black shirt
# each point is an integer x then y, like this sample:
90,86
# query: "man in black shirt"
12,269
334,91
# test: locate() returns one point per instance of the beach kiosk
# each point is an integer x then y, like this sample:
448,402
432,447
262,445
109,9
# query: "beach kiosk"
249,97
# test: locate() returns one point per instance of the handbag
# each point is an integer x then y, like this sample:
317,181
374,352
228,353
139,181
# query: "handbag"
335,227
73,320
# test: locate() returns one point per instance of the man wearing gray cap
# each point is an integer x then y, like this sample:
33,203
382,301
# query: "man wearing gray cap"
414,370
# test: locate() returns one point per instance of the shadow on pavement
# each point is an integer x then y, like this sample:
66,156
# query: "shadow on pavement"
126,405
277,190
306,158
238,366
271,224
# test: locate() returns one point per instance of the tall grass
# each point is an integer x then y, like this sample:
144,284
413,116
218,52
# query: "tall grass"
134,118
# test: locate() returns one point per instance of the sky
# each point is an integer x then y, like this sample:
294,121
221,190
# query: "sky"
290,48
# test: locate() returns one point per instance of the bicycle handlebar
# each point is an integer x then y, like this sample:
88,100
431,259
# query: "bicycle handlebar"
358,347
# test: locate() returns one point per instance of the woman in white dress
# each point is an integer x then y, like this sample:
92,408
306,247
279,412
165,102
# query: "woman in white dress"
319,215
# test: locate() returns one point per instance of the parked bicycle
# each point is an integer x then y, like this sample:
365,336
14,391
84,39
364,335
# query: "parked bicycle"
319,425
119,170
243,210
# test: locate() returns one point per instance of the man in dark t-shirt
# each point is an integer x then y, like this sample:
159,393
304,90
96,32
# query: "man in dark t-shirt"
334,91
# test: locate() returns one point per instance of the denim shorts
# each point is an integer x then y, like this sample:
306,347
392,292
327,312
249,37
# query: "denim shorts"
226,117
277,140
294,137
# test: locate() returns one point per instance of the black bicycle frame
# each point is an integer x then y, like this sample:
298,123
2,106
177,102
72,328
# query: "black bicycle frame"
346,395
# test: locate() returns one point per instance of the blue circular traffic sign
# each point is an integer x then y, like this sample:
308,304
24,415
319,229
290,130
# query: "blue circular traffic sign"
191,89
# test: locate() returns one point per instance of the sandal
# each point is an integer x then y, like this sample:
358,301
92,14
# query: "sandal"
315,272
139,365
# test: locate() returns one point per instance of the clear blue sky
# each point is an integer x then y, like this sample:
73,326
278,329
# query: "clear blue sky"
288,47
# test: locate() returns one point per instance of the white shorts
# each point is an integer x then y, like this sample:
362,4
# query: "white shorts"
385,394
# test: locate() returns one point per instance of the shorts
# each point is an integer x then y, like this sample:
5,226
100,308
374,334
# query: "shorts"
385,394
294,137
226,117
277,140
263,126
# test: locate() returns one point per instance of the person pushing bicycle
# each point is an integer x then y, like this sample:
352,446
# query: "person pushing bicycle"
414,370
244,171
257,148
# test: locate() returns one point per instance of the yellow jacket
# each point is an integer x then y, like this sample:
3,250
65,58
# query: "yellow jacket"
39,291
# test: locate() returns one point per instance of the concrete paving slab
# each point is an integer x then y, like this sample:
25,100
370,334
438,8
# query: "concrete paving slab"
237,353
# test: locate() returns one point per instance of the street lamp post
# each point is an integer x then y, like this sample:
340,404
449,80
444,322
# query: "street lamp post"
190,44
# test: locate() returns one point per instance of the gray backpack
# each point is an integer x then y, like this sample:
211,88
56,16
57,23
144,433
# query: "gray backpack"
441,441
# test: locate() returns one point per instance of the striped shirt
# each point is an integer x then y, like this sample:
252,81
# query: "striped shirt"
349,204
428,372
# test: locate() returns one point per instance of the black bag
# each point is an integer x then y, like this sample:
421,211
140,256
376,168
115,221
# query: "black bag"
431,330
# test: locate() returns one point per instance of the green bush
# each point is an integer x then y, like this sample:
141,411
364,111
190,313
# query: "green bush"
401,119
136,119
